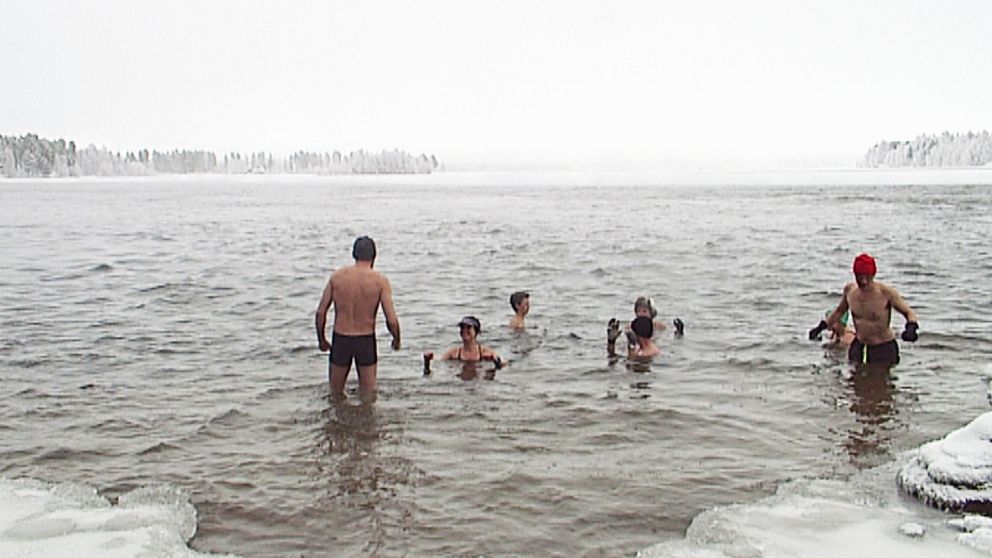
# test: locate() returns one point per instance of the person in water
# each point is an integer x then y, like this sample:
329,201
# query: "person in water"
644,308
520,302
639,344
470,350
356,292
842,333
871,304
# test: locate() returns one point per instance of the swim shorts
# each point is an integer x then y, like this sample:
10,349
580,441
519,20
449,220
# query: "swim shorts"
361,348
884,353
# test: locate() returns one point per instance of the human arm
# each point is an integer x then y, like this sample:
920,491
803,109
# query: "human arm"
321,316
612,333
392,321
912,324
897,302
833,318
488,354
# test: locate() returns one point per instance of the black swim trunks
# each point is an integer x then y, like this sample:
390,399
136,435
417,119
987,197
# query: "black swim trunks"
884,353
361,348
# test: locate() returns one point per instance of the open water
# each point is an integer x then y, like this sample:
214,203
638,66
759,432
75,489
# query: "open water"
160,332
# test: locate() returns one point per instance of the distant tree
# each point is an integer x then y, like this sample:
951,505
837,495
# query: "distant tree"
30,155
969,149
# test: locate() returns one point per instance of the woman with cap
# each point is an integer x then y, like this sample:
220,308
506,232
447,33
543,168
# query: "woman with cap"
470,350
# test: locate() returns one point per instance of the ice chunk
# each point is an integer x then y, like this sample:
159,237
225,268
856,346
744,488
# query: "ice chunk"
63,520
814,519
954,473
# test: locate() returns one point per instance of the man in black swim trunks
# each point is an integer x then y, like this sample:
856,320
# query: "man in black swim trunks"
356,292
871,305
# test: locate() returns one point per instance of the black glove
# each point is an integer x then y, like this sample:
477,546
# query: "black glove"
631,339
909,334
498,362
613,331
814,333
427,363
679,327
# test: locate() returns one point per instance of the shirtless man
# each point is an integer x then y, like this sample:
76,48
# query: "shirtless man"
356,292
871,307
520,302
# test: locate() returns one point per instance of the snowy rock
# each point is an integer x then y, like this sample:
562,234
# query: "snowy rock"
954,473
912,530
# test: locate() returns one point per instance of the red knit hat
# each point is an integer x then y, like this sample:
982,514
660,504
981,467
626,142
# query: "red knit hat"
864,265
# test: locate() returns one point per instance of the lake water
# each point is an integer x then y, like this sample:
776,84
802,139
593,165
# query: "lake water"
159,332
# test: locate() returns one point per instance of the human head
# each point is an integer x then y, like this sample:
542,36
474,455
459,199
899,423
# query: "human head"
864,270
644,306
470,323
642,326
520,299
364,249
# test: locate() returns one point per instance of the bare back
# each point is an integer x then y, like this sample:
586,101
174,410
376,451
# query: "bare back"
357,293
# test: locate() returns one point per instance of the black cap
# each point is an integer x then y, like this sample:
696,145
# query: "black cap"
364,249
642,326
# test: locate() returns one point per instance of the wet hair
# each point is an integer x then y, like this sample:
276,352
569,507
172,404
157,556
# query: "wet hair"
642,326
364,249
518,297
472,322
647,304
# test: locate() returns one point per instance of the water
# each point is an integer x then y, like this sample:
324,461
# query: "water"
160,332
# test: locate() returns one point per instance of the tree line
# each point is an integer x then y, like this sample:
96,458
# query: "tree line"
32,156
946,150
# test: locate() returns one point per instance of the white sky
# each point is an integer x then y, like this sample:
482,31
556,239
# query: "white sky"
609,83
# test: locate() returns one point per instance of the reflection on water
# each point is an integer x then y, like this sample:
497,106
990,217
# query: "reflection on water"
523,342
872,396
353,483
347,442
469,371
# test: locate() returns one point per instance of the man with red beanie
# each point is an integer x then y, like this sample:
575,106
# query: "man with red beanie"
871,305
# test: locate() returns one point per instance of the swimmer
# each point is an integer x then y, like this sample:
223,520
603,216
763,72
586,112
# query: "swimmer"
871,304
641,346
470,350
842,332
356,292
520,302
644,307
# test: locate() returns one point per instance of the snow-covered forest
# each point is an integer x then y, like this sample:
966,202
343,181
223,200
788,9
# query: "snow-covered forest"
946,150
31,156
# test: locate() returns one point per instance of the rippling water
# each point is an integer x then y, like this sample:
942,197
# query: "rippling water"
161,331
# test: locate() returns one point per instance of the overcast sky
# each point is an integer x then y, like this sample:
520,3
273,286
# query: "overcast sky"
608,82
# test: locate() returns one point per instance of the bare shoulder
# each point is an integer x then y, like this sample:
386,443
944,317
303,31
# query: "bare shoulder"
887,289
337,273
849,287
